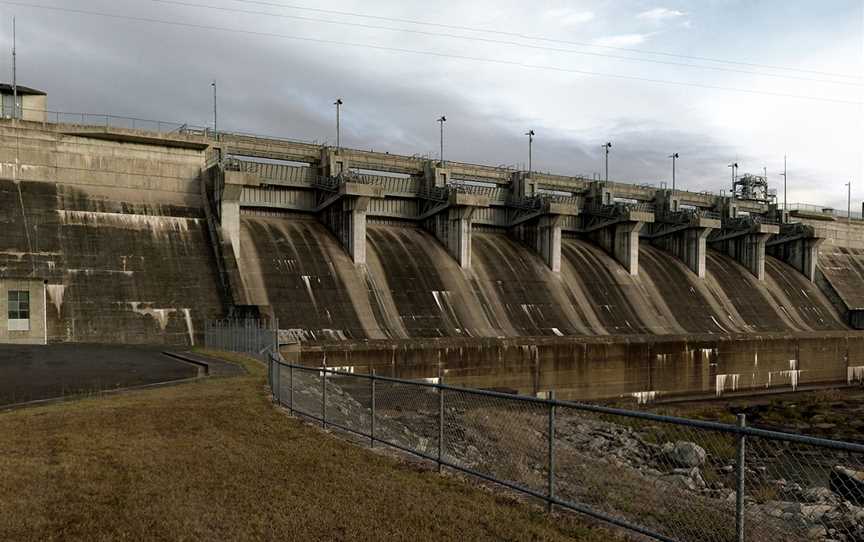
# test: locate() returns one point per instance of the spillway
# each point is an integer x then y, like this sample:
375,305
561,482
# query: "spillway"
411,288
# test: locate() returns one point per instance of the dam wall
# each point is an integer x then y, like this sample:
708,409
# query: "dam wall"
141,236
115,230
638,369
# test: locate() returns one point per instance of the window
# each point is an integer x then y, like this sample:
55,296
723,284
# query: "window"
19,305
8,106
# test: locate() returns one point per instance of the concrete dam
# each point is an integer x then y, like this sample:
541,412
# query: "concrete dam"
483,275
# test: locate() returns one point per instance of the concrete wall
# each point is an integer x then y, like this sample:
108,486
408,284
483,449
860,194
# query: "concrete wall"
640,369
117,230
840,268
105,170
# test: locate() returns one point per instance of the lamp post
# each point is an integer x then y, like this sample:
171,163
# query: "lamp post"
785,203
338,104
215,112
674,157
849,203
14,72
441,121
734,166
607,146
530,134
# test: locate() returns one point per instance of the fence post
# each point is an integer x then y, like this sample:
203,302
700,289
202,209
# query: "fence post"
372,424
324,396
551,431
739,490
440,419
291,389
278,378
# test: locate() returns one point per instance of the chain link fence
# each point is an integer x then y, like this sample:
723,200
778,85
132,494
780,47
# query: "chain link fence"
248,336
667,478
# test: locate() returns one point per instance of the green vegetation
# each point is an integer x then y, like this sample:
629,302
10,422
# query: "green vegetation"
215,460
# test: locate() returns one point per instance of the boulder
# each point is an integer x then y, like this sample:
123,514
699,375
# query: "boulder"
847,484
684,454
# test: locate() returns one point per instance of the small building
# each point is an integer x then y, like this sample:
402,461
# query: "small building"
32,103
23,317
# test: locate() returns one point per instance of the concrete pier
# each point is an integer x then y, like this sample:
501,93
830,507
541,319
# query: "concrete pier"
745,240
450,223
540,229
344,214
798,245
615,229
684,235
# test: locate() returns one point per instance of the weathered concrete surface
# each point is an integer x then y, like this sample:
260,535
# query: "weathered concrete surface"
116,271
115,227
840,269
411,288
299,270
640,367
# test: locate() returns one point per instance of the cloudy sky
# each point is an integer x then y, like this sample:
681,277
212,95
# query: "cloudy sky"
714,80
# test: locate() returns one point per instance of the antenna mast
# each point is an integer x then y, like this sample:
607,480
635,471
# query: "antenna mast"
14,74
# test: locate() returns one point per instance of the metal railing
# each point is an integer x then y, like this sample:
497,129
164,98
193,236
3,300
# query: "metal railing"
667,478
686,215
47,116
748,221
821,209
617,209
105,120
247,336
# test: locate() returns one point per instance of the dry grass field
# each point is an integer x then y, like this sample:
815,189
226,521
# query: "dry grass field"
215,460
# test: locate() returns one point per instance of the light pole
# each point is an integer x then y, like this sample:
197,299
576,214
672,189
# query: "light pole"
530,134
785,203
441,121
674,157
849,203
734,166
607,146
14,73
215,117
338,104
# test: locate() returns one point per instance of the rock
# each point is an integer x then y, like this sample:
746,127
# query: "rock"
681,481
813,513
847,484
818,495
684,454
817,533
597,443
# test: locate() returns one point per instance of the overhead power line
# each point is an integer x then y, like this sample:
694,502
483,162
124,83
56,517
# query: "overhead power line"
500,42
543,38
421,52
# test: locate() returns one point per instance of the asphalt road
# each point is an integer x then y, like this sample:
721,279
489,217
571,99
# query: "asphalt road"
29,373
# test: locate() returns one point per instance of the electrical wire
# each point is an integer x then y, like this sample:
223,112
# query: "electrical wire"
422,52
500,42
541,38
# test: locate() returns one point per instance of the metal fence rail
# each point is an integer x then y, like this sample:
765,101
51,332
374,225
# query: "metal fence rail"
671,479
248,336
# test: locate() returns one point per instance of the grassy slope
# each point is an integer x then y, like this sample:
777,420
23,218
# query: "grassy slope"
215,460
